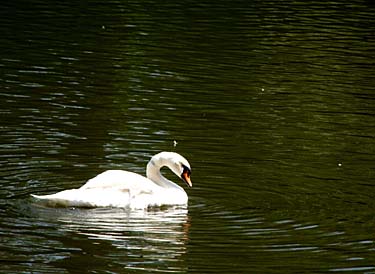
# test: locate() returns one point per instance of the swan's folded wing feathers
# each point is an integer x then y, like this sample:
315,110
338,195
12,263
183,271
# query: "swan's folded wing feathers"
118,179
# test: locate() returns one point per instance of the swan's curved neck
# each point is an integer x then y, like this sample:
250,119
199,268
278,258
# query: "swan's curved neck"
153,173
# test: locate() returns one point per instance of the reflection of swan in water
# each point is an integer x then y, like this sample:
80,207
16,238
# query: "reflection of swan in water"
116,224
135,239
157,237
118,188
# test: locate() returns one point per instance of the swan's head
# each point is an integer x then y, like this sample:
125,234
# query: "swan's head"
178,164
185,174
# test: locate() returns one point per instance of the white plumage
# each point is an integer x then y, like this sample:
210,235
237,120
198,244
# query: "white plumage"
118,188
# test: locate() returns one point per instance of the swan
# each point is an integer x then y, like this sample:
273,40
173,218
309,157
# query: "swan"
119,188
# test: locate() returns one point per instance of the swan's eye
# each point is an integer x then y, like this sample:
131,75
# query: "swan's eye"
186,175
186,170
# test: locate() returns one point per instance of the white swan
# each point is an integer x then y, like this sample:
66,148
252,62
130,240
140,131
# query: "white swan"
118,188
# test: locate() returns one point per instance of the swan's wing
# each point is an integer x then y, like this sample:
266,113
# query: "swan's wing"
120,180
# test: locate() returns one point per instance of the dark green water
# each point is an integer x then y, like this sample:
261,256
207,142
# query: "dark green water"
272,103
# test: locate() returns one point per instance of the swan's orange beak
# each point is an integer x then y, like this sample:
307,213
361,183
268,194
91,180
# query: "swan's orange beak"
186,176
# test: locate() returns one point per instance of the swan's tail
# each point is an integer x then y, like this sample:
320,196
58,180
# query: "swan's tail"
52,200
38,197
84,198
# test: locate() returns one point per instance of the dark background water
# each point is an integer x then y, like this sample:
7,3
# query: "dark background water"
272,102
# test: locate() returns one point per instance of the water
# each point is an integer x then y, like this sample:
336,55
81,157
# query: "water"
271,102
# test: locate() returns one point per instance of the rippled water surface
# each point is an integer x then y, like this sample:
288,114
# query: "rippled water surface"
272,103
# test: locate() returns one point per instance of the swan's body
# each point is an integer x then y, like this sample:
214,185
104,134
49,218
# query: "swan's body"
118,188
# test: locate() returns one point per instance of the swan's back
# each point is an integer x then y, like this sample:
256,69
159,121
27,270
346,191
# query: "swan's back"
119,180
